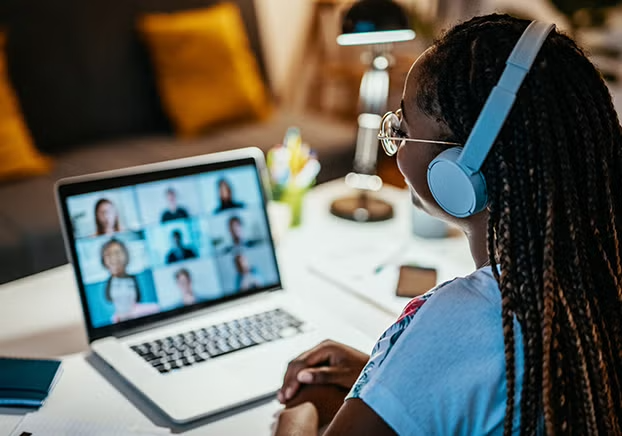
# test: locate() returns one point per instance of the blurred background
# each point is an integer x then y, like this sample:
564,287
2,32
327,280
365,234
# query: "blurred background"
308,69
88,86
302,53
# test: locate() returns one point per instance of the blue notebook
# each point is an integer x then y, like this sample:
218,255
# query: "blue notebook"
27,382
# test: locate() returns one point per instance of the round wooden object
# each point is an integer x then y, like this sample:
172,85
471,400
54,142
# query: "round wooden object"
362,208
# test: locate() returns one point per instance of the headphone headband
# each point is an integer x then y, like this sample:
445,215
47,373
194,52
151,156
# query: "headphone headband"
454,176
501,99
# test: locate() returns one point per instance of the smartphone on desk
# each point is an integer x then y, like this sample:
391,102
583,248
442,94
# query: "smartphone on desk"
415,280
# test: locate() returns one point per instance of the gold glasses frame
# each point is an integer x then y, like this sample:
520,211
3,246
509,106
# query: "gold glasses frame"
392,137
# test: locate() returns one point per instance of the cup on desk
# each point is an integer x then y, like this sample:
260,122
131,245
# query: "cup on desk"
426,226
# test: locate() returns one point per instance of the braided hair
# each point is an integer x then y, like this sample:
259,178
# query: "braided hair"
555,219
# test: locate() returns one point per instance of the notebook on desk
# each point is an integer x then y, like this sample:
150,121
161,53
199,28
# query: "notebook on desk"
179,282
27,382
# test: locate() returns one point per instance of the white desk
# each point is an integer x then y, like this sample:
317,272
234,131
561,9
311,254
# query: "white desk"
85,391
40,316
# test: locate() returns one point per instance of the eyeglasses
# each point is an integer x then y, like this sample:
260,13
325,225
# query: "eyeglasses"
392,137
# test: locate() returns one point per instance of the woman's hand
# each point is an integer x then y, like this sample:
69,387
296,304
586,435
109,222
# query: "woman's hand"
329,363
301,420
327,400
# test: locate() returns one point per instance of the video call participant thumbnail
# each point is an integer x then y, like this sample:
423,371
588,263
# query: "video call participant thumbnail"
225,195
178,251
122,289
238,237
183,279
247,276
174,211
106,217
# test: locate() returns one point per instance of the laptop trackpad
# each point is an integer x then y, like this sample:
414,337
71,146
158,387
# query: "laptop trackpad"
262,368
237,378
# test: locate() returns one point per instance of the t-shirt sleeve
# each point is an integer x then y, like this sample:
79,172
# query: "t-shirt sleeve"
442,369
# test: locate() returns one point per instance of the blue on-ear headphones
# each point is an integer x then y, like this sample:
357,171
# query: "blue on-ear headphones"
454,176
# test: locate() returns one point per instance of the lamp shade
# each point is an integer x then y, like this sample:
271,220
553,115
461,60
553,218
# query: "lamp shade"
375,22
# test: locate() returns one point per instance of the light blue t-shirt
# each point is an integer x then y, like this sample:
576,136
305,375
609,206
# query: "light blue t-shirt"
440,369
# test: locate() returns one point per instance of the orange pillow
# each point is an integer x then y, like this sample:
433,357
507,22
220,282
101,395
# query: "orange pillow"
206,72
18,156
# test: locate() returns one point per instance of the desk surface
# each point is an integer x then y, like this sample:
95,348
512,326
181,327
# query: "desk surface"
105,397
41,316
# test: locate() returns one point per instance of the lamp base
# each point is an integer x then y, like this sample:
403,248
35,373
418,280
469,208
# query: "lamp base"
362,208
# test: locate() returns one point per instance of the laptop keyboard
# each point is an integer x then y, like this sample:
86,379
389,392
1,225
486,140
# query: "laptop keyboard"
189,348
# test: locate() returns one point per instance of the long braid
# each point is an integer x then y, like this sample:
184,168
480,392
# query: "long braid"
603,131
574,247
555,220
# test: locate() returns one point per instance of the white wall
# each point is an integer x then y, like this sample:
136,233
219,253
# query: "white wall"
284,26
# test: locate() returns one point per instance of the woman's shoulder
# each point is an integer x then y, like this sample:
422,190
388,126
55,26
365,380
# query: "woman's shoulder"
466,308
449,351
479,288
461,311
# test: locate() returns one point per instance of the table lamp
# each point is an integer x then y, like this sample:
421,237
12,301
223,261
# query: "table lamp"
377,23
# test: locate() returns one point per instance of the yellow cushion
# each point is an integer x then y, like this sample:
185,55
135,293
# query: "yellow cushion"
206,71
18,156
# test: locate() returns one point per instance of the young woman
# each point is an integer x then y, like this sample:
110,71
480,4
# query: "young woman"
225,194
106,217
121,288
184,284
533,343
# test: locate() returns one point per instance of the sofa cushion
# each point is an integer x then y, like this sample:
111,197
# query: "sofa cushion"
80,71
205,70
18,156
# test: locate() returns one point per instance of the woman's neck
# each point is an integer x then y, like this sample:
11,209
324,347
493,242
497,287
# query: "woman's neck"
477,233
120,275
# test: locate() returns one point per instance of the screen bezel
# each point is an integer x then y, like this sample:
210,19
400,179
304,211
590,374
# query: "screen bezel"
146,174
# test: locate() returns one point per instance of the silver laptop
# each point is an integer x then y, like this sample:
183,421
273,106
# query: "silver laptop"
179,281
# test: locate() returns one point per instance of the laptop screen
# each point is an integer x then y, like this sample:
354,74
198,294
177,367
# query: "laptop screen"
169,244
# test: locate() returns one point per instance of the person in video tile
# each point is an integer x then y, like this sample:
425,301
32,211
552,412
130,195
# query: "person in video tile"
106,217
122,289
174,211
238,238
225,194
184,283
178,252
248,278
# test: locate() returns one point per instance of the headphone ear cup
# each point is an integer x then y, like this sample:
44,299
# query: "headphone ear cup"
457,190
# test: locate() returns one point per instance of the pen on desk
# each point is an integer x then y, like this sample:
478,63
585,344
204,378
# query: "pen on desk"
380,267
390,259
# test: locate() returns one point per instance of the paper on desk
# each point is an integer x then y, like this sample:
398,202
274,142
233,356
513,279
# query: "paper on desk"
43,424
370,269
8,422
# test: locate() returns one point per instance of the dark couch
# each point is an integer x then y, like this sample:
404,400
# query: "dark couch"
88,94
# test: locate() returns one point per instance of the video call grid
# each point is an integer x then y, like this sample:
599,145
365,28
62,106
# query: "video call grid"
204,255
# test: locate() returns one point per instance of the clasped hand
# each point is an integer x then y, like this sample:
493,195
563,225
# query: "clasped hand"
321,376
